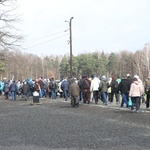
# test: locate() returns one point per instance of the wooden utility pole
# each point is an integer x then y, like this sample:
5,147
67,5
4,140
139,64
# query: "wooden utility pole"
70,27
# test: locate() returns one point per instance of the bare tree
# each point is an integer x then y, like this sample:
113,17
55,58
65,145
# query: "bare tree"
146,58
137,63
9,37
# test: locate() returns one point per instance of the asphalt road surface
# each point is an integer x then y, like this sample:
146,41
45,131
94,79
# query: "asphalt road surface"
55,125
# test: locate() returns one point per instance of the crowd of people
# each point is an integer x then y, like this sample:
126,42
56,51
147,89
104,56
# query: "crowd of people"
88,90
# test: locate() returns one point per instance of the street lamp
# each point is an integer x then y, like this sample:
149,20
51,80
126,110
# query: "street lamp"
70,42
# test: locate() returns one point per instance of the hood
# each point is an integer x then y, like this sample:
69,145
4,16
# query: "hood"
28,79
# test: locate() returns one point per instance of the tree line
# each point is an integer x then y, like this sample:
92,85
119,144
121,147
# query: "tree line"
20,65
113,64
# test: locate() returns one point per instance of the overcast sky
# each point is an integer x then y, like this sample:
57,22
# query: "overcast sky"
108,25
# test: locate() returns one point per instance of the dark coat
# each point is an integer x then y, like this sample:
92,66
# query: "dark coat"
52,85
130,80
65,86
80,83
124,86
86,84
41,84
147,86
6,88
114,86
25,88
13,87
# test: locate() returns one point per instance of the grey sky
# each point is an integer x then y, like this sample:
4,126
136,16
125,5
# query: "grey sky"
110,25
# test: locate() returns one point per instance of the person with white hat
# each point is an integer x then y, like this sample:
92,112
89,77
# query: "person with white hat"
135,93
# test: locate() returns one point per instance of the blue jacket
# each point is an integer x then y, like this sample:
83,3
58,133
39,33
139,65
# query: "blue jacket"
13,87
65,86
1,85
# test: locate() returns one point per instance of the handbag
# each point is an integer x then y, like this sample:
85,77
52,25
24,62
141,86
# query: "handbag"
130,102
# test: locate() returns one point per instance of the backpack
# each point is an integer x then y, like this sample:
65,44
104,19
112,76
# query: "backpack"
52,85
114,85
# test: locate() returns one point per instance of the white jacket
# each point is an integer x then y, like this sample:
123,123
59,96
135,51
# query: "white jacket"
95,84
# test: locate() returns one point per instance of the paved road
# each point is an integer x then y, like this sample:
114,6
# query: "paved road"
56,125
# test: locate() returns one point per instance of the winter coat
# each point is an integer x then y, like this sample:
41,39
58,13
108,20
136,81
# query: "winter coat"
124,86
13,87
147,86
104,86
45,85
41,83
135,89
65,85
59,86
25,88
1,85
86,84
109,88
74,89
114,86
37,87
130,80
6,88
80,82
52,85
95,84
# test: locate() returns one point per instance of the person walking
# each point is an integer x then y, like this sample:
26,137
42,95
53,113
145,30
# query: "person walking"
142,86
45,88
86,84
65,86
49,89
80,82
41,83
135,93
104,88
13,90
74,92
95,88
114,90
6,89
59,89
109,90
36,87
53,87
124,88
25,90
118,95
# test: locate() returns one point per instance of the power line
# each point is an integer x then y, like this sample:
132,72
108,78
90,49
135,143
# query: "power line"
46,41
38,38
